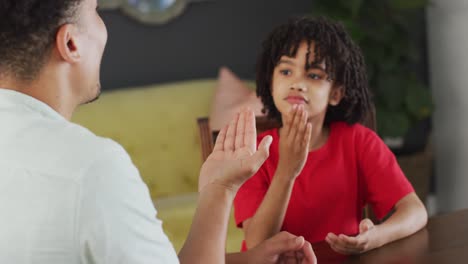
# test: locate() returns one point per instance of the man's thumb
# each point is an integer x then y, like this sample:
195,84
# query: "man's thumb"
262,153
285,242
265,145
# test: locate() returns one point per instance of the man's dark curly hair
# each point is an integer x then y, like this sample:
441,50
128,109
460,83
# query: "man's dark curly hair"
343,59
27,33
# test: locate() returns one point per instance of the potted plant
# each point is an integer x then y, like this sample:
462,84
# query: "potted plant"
391,34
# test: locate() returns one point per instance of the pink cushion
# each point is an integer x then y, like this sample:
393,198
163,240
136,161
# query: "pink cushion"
231,94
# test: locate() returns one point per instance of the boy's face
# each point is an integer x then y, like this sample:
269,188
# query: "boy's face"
293,84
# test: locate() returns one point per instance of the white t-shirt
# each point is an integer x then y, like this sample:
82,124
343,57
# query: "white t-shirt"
68,196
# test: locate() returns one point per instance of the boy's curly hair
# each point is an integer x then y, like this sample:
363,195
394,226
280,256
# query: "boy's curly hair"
27,33
344,62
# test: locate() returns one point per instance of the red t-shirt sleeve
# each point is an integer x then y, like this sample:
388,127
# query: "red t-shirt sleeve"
384,181
250,196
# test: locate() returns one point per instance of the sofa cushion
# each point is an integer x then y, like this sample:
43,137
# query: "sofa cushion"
177,213
157,126
230,96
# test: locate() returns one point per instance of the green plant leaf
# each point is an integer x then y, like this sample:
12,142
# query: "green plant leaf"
388,33
391,91
336,11
354,29
408,4
419,101
392,124
354,6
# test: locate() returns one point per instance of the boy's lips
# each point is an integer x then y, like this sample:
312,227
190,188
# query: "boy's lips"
296,100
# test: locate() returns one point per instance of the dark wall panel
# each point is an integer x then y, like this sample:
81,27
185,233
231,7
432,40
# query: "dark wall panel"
208,35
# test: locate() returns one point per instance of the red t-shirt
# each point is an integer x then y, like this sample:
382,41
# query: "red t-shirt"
352,169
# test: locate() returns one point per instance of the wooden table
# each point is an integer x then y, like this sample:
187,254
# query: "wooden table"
444,240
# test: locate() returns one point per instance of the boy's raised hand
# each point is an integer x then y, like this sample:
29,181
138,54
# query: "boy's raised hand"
347,245
294,142
235,157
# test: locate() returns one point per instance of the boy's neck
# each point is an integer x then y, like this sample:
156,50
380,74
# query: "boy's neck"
318,136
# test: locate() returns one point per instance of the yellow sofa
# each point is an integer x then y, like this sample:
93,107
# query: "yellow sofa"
157,126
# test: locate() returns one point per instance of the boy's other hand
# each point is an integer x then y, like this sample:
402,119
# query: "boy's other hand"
347,245
294,142
235,157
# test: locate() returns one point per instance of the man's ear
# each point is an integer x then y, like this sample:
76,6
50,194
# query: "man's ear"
336,94
66,42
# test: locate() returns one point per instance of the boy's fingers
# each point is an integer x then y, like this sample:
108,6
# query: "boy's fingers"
365,225
291,125
339,245
348,241
287,119
339,249
302,125
295,127
307,134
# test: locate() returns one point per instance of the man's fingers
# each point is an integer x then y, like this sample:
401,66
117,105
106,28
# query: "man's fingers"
257,159
240,130
250,138
285,242
231,134
309,255
219,145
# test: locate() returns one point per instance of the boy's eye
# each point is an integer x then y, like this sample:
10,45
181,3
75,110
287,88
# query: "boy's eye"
314,76
285,72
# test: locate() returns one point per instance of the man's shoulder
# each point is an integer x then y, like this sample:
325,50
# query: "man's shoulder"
76,148
88,143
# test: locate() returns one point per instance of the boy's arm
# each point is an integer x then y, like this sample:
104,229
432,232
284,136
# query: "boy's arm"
294,147
386,187
409,217
269,216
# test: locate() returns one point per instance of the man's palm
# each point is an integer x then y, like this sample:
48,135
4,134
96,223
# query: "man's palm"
234,158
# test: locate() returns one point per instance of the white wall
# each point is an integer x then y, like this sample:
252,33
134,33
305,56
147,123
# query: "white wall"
448,70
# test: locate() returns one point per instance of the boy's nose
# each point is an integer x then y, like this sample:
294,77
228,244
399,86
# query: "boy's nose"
301,87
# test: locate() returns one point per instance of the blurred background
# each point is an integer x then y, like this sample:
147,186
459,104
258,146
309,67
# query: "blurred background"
161,71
